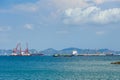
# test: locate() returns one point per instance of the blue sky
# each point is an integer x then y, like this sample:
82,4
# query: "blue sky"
59,24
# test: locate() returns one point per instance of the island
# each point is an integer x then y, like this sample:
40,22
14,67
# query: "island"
115,62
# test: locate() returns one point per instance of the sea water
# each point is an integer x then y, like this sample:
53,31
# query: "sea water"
59,68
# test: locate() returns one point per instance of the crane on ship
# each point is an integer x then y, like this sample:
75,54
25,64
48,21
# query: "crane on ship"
20,52
15,50
26,51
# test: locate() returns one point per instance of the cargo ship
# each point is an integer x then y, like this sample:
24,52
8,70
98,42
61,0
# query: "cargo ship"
74,53
19,52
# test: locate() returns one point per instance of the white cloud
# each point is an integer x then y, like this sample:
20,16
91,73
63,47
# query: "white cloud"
26,7
99,1
28,26
76,11
3,29
4,11
57,4
100,32
91,15
103,1
45,4
62,32
64,4
108,16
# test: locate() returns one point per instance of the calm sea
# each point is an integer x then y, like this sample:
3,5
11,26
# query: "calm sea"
59,68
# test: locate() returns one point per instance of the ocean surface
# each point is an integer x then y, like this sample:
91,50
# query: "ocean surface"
59,68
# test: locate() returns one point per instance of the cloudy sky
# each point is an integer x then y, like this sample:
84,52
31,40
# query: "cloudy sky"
59,24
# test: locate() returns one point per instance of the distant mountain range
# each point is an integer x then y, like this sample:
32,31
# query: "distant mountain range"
51,51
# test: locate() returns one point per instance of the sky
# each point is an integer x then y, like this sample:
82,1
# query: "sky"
58,24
